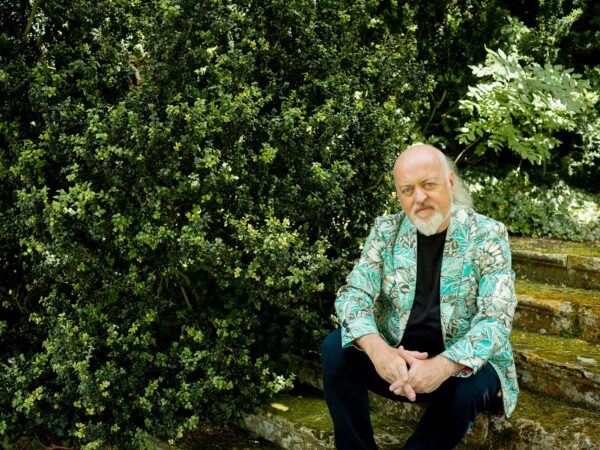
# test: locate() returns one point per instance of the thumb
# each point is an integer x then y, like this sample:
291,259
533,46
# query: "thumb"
417,355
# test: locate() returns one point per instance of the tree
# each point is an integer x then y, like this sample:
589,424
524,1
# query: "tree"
181,184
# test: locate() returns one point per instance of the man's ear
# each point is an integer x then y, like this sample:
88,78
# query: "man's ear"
451,181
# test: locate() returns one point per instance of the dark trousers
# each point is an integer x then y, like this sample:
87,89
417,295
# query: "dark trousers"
348,375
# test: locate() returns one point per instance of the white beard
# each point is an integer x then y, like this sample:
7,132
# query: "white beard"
427,227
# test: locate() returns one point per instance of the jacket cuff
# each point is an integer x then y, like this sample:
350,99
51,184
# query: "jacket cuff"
356,329
457,354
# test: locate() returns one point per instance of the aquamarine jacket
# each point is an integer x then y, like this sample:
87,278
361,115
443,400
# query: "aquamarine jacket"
477,296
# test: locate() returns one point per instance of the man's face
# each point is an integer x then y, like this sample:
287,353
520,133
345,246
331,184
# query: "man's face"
424,190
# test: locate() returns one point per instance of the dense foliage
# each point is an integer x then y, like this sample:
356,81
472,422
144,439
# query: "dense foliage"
184,183
554,210
179,182
524,108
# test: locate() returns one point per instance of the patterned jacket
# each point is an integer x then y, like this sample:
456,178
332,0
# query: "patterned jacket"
477,298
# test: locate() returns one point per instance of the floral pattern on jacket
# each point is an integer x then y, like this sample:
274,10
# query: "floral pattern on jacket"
477,297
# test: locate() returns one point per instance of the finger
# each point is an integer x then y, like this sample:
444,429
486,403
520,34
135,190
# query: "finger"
409,392
417,355
396,385
403,370
406,355
398,369
403,389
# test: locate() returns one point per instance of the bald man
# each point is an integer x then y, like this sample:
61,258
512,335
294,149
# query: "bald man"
426,313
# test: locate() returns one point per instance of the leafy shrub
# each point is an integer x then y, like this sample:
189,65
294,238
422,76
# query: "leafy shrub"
554,210
524,108
181,182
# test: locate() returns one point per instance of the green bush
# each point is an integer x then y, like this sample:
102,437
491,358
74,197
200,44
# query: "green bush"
553,210
181,184
525,108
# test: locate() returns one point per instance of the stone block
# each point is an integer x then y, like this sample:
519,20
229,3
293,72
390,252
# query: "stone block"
583,263
564,368
548,259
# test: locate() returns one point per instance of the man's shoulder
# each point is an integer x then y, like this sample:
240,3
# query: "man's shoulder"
489,226
387,225
482,225
390,220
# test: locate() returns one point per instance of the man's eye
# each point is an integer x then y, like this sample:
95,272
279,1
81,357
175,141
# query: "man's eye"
429,185
406,191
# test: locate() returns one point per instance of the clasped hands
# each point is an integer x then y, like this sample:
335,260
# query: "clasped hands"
408,372
411,373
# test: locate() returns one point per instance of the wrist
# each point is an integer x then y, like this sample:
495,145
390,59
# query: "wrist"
370,343
448,366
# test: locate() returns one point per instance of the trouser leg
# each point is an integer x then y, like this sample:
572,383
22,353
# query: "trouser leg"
454,407
348,375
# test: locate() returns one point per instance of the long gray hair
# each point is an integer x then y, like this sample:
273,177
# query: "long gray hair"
461,196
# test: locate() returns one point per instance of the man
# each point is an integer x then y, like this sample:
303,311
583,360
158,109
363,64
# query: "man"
426,313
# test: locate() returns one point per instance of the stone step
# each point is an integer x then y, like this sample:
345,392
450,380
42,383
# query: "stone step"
565,368
559,310
302,422
557,262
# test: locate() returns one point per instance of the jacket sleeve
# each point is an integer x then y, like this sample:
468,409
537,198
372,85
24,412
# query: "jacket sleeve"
496,302
355,300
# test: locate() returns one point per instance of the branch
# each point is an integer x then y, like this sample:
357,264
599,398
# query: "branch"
433,111
372,188
31,17
466,148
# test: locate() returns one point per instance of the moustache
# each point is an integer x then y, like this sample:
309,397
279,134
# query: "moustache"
425,204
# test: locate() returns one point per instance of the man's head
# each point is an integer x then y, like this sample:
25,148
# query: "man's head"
425,186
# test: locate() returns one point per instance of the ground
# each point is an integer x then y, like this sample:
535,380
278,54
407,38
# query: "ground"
224,438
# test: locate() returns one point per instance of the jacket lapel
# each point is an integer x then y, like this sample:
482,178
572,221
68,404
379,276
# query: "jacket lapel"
405,268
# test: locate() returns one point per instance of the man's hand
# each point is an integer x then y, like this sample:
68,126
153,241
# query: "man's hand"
426,376
389,362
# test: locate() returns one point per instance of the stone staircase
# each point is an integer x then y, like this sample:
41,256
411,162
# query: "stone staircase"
556,340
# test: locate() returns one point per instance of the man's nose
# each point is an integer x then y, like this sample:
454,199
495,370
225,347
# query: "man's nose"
420,195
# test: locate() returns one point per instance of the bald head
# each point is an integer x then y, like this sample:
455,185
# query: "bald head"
422,152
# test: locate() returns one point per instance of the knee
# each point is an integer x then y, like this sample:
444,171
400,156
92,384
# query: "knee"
479,390
331,344
466,398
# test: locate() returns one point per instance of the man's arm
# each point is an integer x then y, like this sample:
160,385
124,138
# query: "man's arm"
355,300
496,302
354,306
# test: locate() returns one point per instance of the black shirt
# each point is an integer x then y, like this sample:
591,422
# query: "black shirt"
424,330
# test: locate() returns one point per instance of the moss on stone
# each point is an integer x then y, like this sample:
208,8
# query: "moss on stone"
305,411
553,246
559,310
549,292
554,415
558,350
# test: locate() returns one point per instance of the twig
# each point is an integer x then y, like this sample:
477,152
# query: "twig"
466,148
31,17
